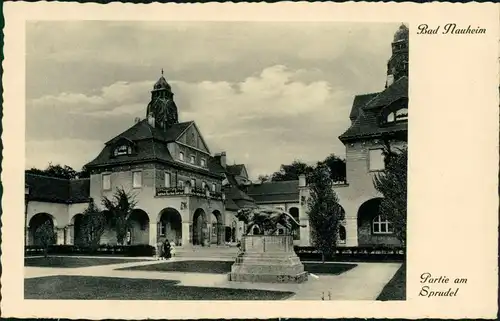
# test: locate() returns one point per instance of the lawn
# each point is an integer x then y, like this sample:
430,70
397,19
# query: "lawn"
223,267
396,288
73,262
109,288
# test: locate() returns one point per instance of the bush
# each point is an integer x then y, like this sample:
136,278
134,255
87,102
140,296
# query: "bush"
361,253
105,249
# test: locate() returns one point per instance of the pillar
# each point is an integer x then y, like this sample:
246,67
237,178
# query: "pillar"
351,229
186,234
305,233
70,232
60,236
221,231
153,234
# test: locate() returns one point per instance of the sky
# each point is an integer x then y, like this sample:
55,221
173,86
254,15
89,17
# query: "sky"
266,93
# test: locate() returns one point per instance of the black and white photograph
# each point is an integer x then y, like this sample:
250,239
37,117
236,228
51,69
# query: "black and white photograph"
216,160
250,161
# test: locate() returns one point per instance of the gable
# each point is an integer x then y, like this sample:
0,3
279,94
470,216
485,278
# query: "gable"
192,137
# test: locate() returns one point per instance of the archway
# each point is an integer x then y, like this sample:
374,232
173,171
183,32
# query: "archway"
170,226
78,233
294,211
200,228
342,234
34,225
367,212
218,232
138,232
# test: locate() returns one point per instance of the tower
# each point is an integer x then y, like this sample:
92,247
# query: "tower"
397,66
162,111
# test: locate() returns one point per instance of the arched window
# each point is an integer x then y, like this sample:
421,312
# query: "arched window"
390,118
122,150
381,225
181,156
342,234
402,114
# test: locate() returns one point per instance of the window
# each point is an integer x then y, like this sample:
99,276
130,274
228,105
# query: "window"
390,118
203,185
381,225
180,184
203,162
167,179
192,159
213,187
181,156
193,183
376,160
137,179
106,182
163,228
123,150
402,114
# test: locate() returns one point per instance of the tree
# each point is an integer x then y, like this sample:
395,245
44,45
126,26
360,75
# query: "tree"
291,172
264,178
45,236
93,225
84,173
120,206
336,166
325,211
392,184
55,171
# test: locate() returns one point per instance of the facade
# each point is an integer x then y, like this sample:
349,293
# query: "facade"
189,196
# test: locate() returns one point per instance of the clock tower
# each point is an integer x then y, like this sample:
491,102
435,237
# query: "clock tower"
162,110
397,66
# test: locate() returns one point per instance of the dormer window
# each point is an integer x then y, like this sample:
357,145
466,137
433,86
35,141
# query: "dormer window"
203,162
181,156
192,159
390,118
402,114
122,150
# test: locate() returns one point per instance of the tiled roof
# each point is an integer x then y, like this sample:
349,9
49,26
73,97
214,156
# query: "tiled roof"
235,169
57,190
367,122
359,102
142,130
275,192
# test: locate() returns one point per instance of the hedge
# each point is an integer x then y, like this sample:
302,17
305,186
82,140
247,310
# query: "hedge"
359,253
119,250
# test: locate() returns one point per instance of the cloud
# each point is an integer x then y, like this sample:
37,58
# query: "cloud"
265,120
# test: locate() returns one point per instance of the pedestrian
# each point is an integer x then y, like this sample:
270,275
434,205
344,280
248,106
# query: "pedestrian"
166,249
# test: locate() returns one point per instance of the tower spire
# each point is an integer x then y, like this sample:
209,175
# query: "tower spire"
162,72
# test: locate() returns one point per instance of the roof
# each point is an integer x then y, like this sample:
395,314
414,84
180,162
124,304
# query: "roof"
142,130
235,169
359,102
275,192
57,190
367,121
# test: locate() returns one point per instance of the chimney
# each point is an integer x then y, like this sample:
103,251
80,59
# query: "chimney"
390,80
136,120
302,180
151,120
221,158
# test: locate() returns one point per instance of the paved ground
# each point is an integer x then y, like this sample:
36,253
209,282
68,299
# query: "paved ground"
364,282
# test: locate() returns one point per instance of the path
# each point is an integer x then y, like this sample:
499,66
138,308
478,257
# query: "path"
364,282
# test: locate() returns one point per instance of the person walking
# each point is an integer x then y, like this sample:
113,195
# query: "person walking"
166,250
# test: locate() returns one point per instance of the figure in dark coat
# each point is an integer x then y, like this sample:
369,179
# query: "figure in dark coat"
166,250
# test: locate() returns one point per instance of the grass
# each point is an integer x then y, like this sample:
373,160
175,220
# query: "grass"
396,288
109,288
72,262
223,267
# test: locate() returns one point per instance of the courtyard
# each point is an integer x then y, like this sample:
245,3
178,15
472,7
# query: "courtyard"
98,278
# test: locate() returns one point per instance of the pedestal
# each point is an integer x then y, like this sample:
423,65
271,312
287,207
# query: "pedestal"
268,258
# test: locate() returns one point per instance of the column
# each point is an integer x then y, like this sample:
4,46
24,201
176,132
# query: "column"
351,229
70,232
186,234
305,233
60,236
153,234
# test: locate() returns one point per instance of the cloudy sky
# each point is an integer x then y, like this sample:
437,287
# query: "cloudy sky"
266,93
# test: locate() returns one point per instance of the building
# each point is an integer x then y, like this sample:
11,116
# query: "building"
186,194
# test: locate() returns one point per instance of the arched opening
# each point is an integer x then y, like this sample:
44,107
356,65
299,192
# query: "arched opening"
109,234
35,223
373,227
78,232
170,226
138,232
294,211
200,228
218,232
